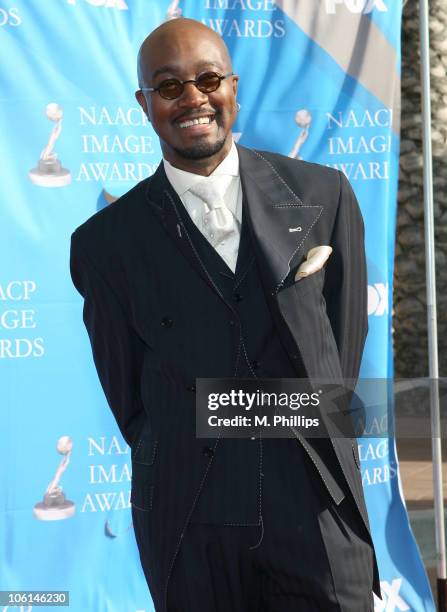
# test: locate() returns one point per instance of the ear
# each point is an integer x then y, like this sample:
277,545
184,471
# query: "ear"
139,95
234,83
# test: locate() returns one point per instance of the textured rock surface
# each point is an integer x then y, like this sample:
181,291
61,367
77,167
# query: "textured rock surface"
410,325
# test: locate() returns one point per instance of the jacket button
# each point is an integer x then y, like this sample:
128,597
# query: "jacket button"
167,322
191,388
231,321
208,451
256,364
237,297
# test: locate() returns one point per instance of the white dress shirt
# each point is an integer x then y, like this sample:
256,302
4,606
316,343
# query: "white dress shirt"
227,181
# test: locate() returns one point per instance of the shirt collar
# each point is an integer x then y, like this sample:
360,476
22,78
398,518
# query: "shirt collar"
182,181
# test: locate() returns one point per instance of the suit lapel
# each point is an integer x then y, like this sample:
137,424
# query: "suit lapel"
273,209
279,220
166,205
168,208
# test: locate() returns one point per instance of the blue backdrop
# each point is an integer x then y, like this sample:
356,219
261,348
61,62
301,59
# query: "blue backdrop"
319,80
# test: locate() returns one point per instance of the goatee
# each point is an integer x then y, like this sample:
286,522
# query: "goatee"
201,150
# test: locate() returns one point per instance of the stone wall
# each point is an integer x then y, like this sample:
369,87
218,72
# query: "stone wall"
410,326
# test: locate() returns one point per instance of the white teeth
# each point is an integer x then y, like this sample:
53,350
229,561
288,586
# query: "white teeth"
199,121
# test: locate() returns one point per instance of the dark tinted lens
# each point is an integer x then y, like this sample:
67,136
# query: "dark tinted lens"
208,82
170,89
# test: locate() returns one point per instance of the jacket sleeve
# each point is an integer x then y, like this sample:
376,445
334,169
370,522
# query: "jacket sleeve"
346,285
117,350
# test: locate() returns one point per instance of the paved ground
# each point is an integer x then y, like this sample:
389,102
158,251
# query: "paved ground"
416,472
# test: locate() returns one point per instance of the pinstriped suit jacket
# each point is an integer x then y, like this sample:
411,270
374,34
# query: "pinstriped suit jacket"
136,274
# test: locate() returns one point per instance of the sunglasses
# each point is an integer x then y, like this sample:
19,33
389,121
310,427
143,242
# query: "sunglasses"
173,88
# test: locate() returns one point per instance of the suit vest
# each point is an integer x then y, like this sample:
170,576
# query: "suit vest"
234,488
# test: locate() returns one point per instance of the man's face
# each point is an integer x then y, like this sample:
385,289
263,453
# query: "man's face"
184,56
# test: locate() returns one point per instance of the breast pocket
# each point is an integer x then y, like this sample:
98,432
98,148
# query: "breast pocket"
143,457
313,282
318,333
303,307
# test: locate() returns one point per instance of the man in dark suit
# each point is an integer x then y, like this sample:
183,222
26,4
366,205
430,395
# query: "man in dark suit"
191,274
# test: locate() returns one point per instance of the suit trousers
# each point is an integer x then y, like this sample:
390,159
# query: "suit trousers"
306,555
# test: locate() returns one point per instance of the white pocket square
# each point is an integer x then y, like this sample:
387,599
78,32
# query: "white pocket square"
315,260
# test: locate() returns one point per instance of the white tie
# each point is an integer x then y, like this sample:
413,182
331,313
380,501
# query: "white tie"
218,221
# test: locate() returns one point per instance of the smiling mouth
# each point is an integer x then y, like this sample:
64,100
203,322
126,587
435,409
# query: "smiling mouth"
187,123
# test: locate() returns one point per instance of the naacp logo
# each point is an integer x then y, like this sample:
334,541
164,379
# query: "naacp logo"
391,599
55,506
356,6
174,11
49,171
303,119
378,299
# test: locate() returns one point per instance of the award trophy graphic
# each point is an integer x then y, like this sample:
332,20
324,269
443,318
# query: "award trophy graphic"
174,11
49,171
303,119
55,506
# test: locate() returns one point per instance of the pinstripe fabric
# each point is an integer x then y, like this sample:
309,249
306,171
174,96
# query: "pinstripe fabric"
312,556
154,316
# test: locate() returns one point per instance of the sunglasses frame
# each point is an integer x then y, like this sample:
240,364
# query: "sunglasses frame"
182,84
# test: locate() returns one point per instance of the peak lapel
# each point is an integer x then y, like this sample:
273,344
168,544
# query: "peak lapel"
166,204
280,222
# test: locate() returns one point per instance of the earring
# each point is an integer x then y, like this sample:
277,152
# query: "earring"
238,107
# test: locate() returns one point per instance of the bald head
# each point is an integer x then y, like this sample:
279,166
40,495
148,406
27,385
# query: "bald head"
186,58
166,40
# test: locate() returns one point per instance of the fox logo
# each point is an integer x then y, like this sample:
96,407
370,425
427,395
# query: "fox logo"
356,6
